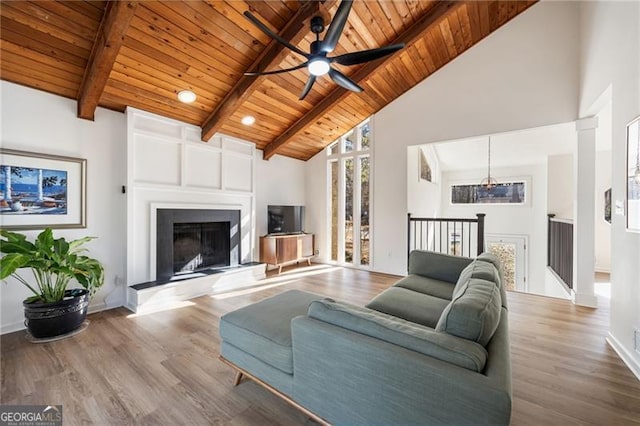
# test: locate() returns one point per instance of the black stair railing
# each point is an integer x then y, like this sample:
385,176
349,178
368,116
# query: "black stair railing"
460,237
560,248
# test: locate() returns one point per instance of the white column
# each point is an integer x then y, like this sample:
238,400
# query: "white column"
584,164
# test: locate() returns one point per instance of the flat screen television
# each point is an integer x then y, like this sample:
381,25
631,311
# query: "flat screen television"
285,219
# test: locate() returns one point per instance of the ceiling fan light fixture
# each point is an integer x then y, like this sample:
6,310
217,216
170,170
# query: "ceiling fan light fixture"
248,120
318,66
186,96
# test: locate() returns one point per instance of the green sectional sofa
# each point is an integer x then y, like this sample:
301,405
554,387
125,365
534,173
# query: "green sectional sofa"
431,349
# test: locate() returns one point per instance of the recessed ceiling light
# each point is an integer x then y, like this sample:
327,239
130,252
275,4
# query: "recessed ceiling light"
186,96
248,120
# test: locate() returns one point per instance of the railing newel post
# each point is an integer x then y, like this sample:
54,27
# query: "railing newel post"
480,232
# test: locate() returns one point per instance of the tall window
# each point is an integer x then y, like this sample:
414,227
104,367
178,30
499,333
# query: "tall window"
349,168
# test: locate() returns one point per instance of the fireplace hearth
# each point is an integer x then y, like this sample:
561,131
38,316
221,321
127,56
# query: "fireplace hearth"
190,240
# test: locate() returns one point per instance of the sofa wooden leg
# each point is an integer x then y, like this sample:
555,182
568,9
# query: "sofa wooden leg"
238,378
241,373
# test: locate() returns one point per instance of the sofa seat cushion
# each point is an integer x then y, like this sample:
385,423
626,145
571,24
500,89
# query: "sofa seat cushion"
474,313
263,329
409,335
409,305
425,285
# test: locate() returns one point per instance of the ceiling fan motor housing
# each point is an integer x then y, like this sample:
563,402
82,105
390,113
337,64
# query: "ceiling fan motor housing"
317,25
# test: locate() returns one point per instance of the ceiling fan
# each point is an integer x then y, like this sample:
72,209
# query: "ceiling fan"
318,63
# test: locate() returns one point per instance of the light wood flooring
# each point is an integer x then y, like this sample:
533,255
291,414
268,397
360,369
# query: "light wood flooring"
162,368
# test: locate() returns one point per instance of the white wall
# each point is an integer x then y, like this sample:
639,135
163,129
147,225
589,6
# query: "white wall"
279,181
511,80
40,122
610,58
529,219
316,201
602,227
560,187
423,197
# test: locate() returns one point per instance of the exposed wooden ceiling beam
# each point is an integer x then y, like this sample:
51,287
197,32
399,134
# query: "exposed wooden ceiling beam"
109,39
294,31
410,36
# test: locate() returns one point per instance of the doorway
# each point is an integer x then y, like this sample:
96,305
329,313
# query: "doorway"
511,250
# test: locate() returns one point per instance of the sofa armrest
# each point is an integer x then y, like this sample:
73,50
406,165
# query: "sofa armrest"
412,336
439,266
347,377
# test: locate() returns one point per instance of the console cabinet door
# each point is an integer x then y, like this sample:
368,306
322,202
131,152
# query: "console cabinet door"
287,249
306,245
268,250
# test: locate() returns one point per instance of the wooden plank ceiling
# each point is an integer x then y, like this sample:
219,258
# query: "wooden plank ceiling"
143,53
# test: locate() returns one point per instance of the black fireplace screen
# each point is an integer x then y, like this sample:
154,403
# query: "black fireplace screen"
200,246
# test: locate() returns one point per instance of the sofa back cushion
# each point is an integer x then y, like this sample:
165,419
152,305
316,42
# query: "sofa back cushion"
495,261
415,337
439,266
491,258
474,313
477,269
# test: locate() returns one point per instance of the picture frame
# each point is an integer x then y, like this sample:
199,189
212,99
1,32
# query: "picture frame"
607,206
42,191
632,176
424,172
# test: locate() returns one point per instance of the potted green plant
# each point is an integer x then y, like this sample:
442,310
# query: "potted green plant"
54,309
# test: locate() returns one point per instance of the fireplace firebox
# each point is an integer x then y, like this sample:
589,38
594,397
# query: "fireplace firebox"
200,245
189,240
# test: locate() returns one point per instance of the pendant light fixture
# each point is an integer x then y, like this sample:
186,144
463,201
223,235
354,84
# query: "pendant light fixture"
489,182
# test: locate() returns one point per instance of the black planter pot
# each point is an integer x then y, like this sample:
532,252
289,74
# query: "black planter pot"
54,319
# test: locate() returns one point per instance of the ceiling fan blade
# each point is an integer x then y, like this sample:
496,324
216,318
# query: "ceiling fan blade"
297,67
307,87
344,81
366,55
273,35
335,28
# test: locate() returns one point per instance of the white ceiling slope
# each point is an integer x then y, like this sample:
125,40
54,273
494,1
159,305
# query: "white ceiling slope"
508,149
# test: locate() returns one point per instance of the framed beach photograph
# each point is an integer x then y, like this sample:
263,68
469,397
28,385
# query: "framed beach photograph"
633,175
40,190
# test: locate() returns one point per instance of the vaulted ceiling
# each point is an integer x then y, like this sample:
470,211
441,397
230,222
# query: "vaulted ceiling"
140,54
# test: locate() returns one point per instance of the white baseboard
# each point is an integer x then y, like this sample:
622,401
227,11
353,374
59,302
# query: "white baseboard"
624,355
602,270
587,300
98,307
105,306
10,328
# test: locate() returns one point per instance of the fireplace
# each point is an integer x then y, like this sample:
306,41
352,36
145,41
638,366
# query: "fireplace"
190,240
200,245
